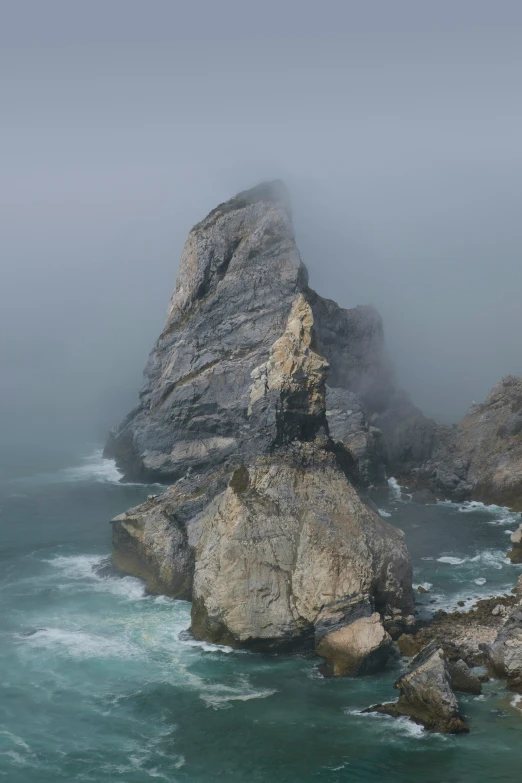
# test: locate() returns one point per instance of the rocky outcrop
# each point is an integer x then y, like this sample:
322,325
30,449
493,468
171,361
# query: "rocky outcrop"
281,551
426,695
481,457
289,553
462,678
505,654
239,276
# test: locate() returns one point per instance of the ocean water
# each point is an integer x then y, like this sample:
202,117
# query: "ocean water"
98,683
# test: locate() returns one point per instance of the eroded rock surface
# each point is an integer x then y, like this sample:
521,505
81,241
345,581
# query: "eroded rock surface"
287,550
258,404
239,276
505,654
481,457
426,695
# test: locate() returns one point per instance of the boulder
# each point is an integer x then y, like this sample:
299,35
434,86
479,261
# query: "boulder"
426,695
505,653
360,646
462,678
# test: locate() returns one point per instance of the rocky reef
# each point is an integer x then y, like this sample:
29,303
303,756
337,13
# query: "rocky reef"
268,408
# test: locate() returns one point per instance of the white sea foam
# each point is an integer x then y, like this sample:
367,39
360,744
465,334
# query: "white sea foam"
220,696
480,581
491,558
492,514
82,568
384,513
395,488
451,560
403,726
80,644
425,585
94,468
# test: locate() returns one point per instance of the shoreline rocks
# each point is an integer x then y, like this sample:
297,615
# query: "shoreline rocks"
426,695
505,653
480,458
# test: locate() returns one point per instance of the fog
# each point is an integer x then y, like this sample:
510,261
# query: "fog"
396,125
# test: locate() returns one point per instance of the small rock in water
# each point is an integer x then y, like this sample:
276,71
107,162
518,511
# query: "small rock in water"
422,589
461,603
426,695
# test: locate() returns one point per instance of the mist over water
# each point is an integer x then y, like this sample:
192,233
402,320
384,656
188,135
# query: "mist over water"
396,127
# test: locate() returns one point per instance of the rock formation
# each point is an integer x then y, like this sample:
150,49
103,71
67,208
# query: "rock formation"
505,654
481,457
263,404
239,275
426,695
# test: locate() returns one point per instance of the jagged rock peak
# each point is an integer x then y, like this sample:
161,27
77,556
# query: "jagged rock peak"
241,293
247,225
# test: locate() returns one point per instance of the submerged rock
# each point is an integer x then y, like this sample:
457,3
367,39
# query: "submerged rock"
505,653
426,695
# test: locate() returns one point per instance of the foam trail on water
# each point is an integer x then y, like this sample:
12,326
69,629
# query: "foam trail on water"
94,468
395,489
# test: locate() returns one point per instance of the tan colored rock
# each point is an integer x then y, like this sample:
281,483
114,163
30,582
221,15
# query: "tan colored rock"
287,549
359,648
294,369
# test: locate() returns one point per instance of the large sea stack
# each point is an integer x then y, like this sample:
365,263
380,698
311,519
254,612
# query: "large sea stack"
267,408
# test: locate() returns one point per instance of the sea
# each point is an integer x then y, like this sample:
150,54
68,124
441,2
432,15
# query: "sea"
99,681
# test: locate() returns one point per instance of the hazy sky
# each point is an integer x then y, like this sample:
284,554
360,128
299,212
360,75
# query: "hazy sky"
397,126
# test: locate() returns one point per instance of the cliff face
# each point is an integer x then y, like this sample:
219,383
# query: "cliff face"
239,275
481,457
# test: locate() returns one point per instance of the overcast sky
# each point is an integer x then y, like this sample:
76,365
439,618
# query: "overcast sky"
396,125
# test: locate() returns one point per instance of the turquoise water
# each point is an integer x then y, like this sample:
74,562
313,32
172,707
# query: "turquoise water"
98,682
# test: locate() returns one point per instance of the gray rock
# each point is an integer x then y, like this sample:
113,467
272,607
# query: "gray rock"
426,695
259,404
239,274
424,497
462,678
505,654
481,457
